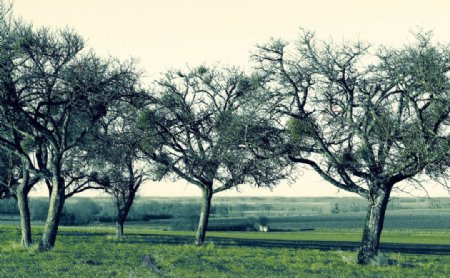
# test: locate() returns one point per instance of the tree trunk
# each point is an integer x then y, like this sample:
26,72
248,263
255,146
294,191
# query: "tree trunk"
204,216
24,210
55,208
119,232
373,227
122,212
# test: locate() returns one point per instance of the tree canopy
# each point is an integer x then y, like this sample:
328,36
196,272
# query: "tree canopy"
363,119
53,93
196,127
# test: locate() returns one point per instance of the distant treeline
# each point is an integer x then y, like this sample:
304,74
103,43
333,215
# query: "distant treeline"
183,211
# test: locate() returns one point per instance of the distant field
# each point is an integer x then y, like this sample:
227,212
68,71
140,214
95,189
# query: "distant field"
93,252
241,214
299,213
395,220
441,237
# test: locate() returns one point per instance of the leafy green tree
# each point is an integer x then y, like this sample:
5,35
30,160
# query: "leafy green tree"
196,127
363,120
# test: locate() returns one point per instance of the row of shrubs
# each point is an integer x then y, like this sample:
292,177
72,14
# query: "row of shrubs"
82,211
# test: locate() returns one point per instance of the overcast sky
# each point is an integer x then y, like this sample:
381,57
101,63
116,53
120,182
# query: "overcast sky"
165,34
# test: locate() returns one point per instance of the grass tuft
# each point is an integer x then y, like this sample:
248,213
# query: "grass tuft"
347,257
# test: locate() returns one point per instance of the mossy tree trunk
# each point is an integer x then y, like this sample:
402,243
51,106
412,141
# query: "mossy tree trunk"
373,226
204,216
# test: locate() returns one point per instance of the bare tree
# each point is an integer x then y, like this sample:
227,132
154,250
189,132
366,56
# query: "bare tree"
123,184
195,129
59,93
115,158
363,121
19,174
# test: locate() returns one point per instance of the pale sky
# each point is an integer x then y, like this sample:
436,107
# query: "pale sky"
165,34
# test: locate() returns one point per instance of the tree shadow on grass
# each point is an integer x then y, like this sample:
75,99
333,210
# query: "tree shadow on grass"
305,244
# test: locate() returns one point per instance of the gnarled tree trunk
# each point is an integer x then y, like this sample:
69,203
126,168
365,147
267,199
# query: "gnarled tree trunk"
204,216
373,226
55,208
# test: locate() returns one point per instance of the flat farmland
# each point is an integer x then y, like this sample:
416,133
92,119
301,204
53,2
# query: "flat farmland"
400,219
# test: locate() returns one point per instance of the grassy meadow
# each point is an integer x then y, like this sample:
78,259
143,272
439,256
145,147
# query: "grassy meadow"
94,252
309,237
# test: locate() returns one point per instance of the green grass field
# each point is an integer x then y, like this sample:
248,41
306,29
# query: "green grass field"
93,252
391,236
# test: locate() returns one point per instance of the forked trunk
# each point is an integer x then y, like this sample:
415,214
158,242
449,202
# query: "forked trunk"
204,216
122,214
373,227
24,210
55,208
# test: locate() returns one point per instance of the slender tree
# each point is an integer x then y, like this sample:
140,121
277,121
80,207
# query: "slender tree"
195,129
364,121
115,157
